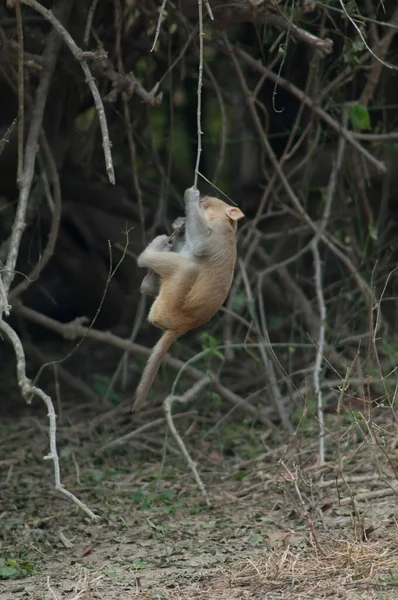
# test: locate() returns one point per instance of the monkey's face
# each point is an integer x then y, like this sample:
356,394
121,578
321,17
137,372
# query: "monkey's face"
217,210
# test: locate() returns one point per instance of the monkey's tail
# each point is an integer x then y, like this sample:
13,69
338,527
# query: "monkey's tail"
152,367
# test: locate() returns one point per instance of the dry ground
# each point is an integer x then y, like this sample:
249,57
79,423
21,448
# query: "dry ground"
155,538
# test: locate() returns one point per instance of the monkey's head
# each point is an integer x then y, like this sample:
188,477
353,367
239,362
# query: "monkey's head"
217,210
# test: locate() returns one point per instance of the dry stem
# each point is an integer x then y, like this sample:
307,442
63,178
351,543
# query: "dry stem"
199,94
189,394
75,330
50,55
28,390
79,55
293,479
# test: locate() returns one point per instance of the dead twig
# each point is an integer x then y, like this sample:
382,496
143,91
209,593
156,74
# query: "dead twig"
159,24
79,55
136,432
189,394
372,495
124,82
199,95
382,47
331,190
89,22
28,390
301,35
75,330
290,87
319,347
293,479
127,118
268,365
21,95
275,163
50,54
358,29
54,228
4,305
73,382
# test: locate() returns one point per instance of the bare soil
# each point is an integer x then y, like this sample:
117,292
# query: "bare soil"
156,539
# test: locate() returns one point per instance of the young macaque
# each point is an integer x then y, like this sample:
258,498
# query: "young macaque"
195,278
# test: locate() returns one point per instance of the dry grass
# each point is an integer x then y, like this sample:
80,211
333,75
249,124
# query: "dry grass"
156,540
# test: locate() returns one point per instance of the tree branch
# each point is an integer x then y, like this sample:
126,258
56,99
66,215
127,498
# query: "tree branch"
79,55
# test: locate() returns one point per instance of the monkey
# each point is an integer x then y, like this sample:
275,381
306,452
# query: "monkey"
195,281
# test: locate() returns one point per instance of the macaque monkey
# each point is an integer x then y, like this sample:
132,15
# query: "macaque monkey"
195,277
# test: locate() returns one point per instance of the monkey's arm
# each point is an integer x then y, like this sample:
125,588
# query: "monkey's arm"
197,228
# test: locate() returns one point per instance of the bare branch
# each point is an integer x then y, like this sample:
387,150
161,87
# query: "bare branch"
293,479
21,95
89,23
78,54
320,347
281,23
358,29
159,24
255,64
199,94
331,190
28,390
197,387
54,228
75,330
50,54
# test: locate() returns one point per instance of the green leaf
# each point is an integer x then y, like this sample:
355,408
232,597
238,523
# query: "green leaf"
210,343
138,497
140,564
373,233
167,495
240,475
97,476
8,573
155,527
84,120
256,538
275,322
65,452
359,116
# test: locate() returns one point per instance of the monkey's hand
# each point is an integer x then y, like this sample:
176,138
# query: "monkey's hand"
159,244
192,195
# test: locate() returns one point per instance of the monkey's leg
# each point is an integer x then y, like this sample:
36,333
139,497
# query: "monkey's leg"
150,285
165,264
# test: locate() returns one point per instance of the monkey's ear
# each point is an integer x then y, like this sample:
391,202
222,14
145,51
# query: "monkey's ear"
234,213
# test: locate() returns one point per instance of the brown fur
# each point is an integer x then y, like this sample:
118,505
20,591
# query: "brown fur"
192,288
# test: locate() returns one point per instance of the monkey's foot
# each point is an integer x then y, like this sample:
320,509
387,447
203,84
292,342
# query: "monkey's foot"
160,244
179,224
